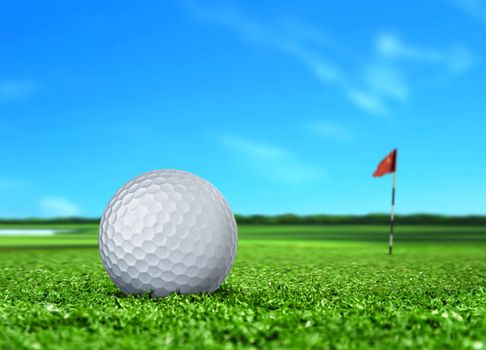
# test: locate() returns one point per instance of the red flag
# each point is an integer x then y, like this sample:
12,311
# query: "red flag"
387,165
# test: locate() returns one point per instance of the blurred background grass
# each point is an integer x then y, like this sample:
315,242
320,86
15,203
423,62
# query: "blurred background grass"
84,232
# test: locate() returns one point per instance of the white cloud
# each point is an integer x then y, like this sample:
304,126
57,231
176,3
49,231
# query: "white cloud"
13,90
259,150
322,68
329,129
290,37
271,162
474,8
293,38
456,59
460,59
388,45
383,80
368,102
58,207
11,183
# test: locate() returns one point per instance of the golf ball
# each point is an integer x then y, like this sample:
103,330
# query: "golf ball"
168,231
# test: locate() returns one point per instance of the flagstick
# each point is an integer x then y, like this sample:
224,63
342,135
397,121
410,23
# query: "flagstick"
392,214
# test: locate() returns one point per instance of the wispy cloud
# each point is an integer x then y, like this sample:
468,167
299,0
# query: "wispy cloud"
457,59
291,37
383,79
388,45
58,207
387,78
272,162
328,129
474,8
368,101
460,59
374,87
251,148
14,90
11,183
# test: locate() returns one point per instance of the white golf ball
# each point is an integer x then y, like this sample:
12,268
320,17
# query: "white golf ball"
168,231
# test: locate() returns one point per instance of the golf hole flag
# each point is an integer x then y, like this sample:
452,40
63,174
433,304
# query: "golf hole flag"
387,166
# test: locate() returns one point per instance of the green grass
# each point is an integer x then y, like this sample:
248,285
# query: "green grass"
320,291
87,234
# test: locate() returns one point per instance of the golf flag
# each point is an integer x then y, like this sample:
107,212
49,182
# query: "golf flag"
387,166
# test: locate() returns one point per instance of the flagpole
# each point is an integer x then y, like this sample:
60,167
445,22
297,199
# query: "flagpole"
392,213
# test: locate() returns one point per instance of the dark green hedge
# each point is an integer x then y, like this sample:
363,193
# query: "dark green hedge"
371,219
292,219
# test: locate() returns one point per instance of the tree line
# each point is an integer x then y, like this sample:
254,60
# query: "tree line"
293,219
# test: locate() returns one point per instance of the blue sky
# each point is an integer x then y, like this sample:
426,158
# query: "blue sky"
285,106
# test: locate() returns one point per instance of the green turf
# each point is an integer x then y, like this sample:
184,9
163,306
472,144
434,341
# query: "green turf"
88,234
281,293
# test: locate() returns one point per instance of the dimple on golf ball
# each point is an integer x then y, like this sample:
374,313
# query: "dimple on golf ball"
168,231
